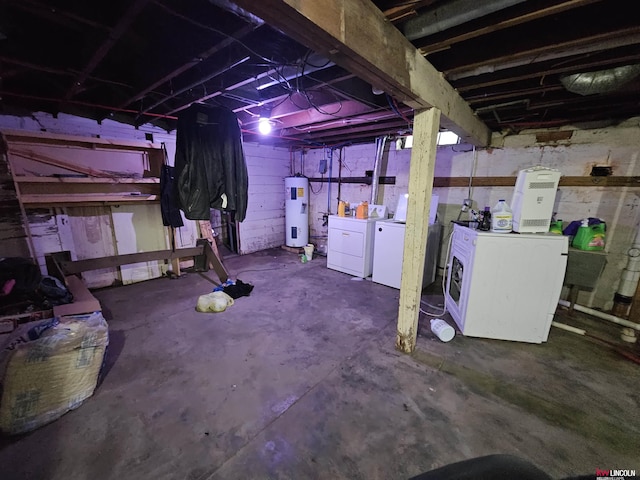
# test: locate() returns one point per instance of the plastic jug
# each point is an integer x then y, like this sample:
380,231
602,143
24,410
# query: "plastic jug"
589,237
342,206
556,227
501,218
362,210
442,330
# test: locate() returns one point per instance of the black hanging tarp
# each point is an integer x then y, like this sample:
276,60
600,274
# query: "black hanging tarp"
210,168
168,199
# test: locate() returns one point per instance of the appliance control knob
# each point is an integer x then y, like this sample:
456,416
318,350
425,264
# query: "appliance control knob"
380,229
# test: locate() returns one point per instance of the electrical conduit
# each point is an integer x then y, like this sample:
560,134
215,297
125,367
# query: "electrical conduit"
375,181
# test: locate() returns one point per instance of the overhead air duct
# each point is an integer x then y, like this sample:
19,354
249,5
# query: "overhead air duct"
601,81
451,14
229,6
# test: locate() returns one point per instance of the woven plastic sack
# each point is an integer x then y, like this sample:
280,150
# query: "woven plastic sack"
48,368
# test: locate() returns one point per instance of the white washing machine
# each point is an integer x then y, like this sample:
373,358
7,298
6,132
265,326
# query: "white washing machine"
505,286
388,251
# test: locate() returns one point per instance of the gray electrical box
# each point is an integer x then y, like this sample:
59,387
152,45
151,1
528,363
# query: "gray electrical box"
322,166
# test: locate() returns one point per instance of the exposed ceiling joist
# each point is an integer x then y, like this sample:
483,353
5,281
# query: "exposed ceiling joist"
123,24
470,84
512,17
580,46
402,10
356,35
508,65
198,59
57,15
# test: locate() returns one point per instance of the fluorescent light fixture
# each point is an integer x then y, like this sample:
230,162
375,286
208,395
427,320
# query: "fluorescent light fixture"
264,126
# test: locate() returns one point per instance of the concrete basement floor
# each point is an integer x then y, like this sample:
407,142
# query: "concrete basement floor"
301,380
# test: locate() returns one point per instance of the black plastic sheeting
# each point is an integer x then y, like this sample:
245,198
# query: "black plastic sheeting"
210,162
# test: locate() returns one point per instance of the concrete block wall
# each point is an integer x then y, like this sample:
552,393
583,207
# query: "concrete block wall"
618,146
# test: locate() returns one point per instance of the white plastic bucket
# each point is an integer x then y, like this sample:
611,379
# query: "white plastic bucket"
308,251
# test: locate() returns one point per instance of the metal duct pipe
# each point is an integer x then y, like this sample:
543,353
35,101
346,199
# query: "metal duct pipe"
601,81
451,14
375,181
241,12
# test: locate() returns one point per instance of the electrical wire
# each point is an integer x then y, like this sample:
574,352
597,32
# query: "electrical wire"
394,106
319,189
474,165
214,30
444,282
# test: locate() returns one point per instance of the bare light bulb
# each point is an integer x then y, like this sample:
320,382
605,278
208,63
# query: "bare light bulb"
264,126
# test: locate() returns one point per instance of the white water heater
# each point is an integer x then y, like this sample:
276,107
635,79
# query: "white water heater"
296,195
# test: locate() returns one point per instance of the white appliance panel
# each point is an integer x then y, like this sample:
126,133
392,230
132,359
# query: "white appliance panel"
387,254
389,249
505,286
350,245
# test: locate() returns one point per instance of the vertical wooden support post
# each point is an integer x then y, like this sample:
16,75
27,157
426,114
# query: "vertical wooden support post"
207,232
423,158
23,211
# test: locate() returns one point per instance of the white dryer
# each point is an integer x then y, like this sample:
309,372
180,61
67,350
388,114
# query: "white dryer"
388,251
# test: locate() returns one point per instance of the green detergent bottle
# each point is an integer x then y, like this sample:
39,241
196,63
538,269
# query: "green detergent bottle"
556,227
589,237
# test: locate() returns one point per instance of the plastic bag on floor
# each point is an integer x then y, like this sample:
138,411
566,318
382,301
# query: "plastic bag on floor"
48,368
214,302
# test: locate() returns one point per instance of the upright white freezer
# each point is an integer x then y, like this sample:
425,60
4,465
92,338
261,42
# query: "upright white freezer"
505,285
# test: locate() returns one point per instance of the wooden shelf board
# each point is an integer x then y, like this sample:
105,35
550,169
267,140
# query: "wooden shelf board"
33,179
88,200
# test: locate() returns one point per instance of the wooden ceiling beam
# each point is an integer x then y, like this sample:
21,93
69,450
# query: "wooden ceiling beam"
580,46
355,35
114,35
55,71
197,60
522,93
472,84
347,133
403,10
56,15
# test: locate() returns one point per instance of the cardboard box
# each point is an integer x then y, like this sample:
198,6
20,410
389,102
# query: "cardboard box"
83,302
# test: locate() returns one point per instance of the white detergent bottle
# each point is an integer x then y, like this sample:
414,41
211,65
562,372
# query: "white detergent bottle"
501,218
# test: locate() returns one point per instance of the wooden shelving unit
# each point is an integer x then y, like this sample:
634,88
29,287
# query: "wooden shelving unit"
60,191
